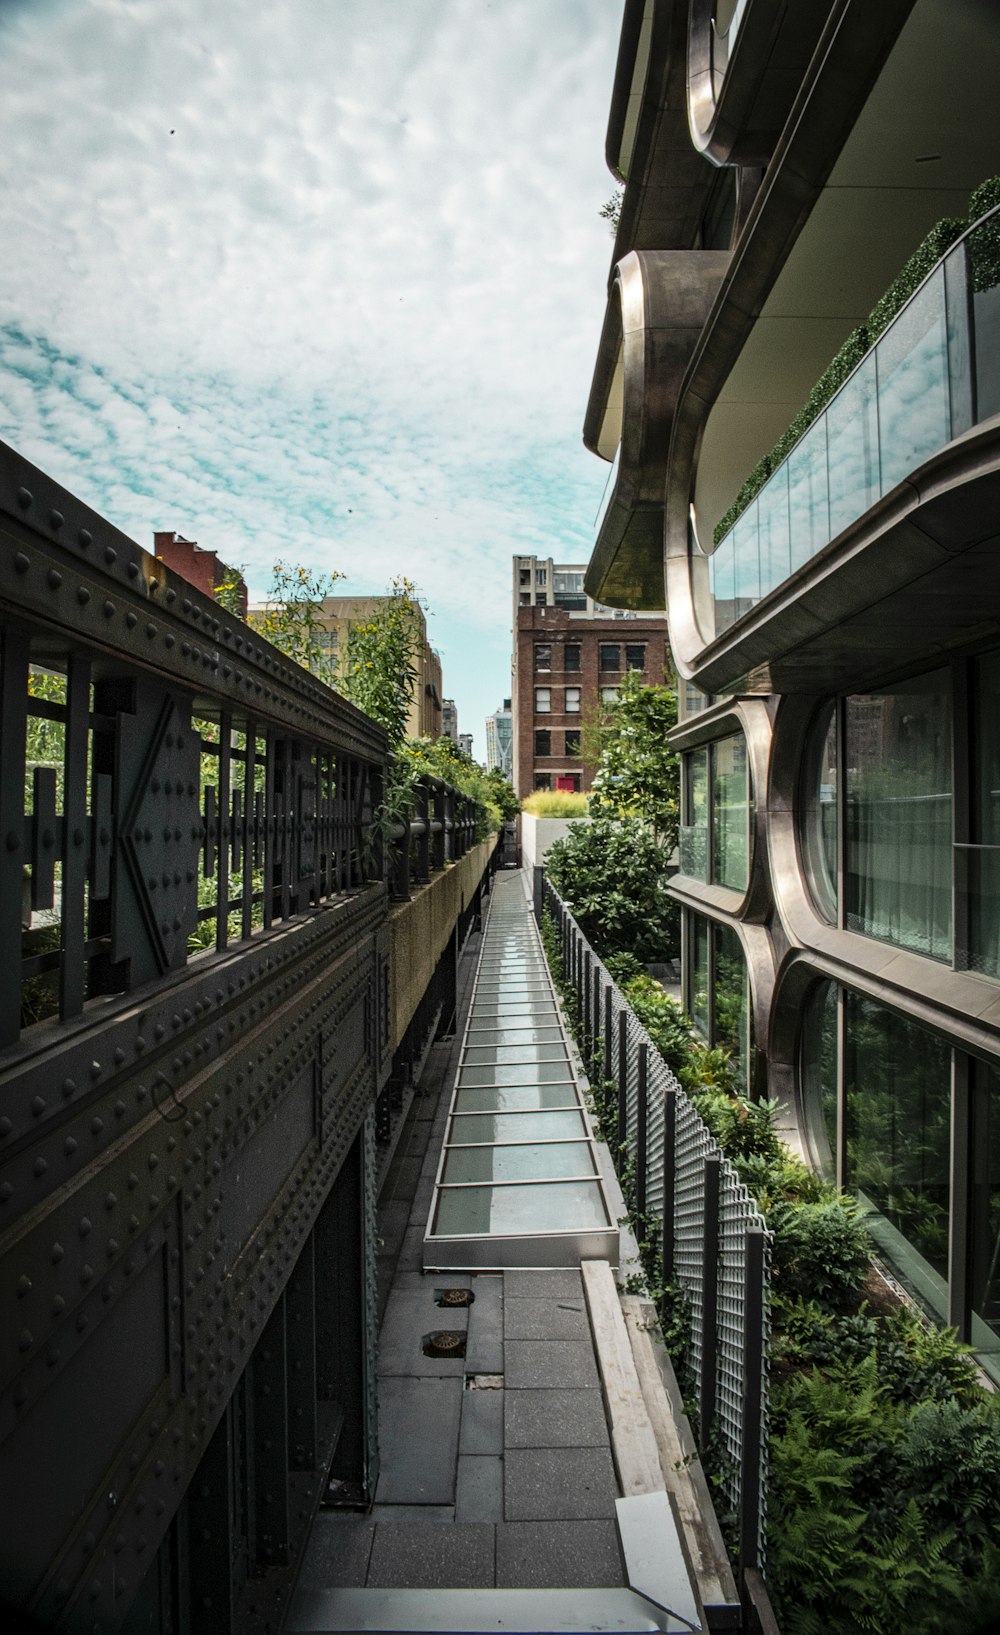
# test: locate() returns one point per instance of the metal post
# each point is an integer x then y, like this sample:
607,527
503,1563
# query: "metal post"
622,1079
609,1048
595,1011
710,1296
641,1128
585,999
669,1179
752,1405
538,874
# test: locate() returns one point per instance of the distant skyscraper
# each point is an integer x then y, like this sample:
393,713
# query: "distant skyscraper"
449,720
500,740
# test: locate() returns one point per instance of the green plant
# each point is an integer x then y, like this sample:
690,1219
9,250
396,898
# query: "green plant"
555,803
663,1017
639,770
613,875
821,1248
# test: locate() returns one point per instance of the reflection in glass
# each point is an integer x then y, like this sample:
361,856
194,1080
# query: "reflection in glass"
563,1206
898,1124
984,268
913,391
730,812
478,1055
899,815
513,1035
774,538
515,1098
818,1066
819,825
503,1127
808,499
852,447
539,1161
984,1202
517,1073
981,862
731,1001
698,978
694,832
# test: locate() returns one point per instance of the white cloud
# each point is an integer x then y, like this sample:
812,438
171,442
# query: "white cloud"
319,280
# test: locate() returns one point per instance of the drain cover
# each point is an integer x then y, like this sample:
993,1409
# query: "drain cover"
453,1297
444,1343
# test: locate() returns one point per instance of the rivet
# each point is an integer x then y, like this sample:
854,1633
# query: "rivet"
85,538
56,520
40,1167
108,609
57,1253
131,619
38,1106
26,1340
21,562
85,1227
133,569
5,1127
54,578
82,595
24,498
70,1146
69,1086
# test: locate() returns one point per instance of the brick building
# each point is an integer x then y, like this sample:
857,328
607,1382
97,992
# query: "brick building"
568,661
197,565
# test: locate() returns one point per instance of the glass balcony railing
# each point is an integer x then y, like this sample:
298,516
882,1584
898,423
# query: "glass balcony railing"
932,374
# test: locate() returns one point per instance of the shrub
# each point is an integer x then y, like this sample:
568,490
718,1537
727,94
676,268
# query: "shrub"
821,1248
613,875
555,803
664,1018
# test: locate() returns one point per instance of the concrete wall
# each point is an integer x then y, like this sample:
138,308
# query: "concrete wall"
539,833
419,931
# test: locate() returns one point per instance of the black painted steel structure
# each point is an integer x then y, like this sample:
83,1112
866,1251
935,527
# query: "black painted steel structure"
194,1022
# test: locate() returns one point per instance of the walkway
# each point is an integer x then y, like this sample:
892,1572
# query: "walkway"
498,1470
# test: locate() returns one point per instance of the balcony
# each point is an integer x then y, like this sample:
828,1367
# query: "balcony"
902,462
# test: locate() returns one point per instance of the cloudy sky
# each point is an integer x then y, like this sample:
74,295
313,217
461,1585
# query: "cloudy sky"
315,280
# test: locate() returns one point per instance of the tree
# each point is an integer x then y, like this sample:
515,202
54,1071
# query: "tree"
503,794
379,666
639,773
290,618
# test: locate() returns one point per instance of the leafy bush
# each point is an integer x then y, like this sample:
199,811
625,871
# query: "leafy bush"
821,1248
613,875
623,966
664,1018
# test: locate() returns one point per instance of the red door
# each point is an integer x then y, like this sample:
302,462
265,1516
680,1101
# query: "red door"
564,781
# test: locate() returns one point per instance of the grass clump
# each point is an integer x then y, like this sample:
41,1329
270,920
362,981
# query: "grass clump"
555,803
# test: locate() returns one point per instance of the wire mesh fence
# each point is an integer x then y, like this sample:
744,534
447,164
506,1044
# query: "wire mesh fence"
713,1237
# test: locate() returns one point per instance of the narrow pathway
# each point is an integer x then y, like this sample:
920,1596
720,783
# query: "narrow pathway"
497,1501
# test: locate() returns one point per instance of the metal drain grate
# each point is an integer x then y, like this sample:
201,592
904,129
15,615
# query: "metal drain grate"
453,1297
444,1343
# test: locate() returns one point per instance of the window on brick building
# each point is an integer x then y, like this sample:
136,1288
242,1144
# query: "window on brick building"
543,700
572,700
543,656
611,656
541,577
543,742
635,656
609,695
573,741
571,656
543,780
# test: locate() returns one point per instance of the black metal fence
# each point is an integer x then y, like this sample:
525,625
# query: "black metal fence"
440,828
712,1236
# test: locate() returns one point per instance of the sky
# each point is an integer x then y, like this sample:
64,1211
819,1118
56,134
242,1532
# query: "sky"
315,281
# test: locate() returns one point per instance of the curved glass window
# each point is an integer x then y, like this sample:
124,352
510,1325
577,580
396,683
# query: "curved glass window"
820,812
718,991
897,1127
819,1077
715,831
898,861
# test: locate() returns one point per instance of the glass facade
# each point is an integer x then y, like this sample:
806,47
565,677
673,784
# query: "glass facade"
932,373
901,842
718,991
915,1124
715,829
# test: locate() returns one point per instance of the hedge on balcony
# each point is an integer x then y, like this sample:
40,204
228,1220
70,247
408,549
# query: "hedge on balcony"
986,272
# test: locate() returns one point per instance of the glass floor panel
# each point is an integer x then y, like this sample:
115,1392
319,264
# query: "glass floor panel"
512,1035
501,1128
518,1182
550,1160
559,1206
515,1098
521,1050
517,1073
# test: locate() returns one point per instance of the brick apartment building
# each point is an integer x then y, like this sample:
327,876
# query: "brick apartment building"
570,655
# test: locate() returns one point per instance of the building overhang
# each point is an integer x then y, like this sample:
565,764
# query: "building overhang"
745,63
657,307
917,576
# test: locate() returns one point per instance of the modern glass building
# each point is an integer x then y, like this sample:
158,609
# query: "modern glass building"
797,390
